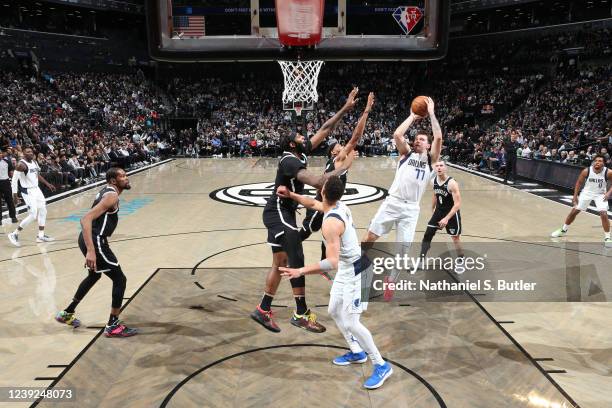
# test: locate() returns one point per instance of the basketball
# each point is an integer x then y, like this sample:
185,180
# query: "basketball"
419,106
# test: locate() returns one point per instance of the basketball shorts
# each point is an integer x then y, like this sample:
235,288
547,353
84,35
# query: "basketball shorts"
399,213
33,198
349,283
454,223
105,258
284,235
313,221
584,200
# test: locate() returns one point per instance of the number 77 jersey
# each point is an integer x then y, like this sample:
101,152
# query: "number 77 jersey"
413,173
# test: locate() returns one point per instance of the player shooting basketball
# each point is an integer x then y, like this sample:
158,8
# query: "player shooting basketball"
414,171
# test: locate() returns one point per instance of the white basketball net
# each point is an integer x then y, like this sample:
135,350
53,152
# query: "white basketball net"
301,78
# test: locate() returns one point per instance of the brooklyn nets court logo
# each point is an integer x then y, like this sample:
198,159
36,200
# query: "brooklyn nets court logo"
256,195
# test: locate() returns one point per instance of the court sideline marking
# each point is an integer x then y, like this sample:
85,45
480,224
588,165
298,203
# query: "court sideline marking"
564,202
66,194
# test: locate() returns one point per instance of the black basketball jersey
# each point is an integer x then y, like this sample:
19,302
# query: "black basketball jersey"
286,175
106,223
444,198
331,166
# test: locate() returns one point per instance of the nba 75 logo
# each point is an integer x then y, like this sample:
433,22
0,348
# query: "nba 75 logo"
407,17
256,194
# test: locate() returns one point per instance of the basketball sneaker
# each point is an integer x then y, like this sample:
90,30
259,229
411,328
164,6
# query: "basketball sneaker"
118,329
558,233
264,318
14,239
67,318
351,358
44,238
378,377
388,294
307,321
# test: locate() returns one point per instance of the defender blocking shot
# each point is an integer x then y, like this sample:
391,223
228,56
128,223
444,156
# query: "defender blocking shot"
280,221
336,156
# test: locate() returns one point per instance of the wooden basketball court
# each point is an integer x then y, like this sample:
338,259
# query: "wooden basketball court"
196,268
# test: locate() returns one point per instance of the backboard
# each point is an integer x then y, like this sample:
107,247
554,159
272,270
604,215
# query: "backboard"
246,30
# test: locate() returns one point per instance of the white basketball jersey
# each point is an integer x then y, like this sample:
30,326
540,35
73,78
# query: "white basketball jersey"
595,183
350,248
413,173
29,179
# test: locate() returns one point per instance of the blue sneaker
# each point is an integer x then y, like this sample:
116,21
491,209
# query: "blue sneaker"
351,358
378,377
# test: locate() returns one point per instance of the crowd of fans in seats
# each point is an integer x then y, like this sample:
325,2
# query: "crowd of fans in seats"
80,124
482,91
567,120
240,117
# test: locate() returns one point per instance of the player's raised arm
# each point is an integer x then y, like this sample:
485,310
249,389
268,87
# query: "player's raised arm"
579,183
332,231
108,202
311,179
358,132
436,144
331,123
306,201
316,181
400,141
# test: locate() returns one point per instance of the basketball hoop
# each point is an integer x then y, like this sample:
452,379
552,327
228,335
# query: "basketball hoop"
301,79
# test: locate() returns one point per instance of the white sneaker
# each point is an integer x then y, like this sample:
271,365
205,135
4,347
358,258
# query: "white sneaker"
44,238
608,243
558,233
14,238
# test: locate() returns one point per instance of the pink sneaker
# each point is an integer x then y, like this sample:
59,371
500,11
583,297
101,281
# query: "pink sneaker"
119,330
388,294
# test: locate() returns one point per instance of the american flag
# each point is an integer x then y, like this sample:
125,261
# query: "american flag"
190,26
